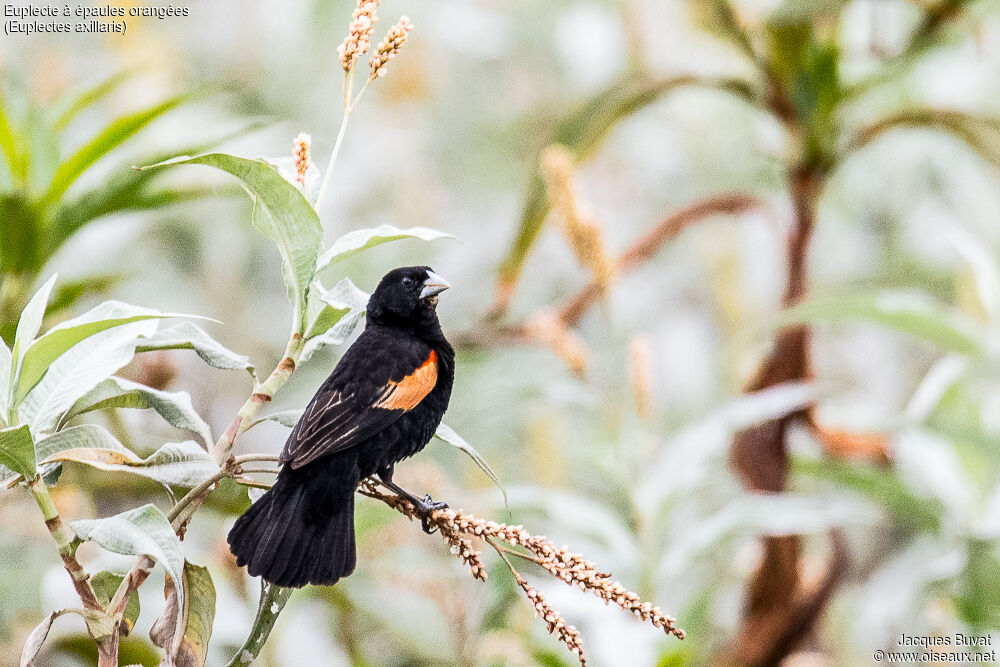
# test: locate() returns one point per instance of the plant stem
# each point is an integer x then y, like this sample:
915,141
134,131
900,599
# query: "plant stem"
333,158
263,393
272,601
66,541
196,494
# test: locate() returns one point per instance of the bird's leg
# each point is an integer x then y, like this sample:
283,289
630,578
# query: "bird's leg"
424,505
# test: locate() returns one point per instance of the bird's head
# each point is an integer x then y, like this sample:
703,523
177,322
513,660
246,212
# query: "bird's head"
406,295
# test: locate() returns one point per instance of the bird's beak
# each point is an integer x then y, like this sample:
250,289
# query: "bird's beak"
434,284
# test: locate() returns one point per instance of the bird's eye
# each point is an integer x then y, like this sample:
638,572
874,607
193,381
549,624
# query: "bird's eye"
407,282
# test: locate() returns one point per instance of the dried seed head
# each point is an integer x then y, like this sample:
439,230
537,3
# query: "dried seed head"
554,622
571,568
359,34
580,229
300,154
546,327
389,47
638,373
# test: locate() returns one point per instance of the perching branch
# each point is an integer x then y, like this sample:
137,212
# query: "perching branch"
458,529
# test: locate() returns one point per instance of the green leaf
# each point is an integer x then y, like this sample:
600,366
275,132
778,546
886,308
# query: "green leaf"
187,336
360,240
68,292
17,451
979,600
65,335
78,437
981,133
88,97
183,630
20,237
78,370
141,531
718,18
287,418
105,585
28,326
878,484
115,392
99,626
289,171
798,11
175,463
805,67
584,129
5,381
912,313
332,315
13,148
129,190
281,213
110,138
448,435
43,149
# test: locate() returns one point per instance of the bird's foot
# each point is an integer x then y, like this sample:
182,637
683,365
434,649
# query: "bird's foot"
425,507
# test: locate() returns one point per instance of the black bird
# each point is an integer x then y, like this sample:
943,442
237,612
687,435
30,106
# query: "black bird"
381,404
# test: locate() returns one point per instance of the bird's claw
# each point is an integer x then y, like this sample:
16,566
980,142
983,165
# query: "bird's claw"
425,507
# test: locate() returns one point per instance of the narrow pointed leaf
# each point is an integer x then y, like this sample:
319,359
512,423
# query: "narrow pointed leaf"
99,627
327,307
5,371
12,148
117,392
912,313
108,315
130,190
448,435
183,630
111,137
141,531
359,240
29,324
78,370
582,131
187,336
90,96
332,315
175,463
17,451
78,437
281,213
287,418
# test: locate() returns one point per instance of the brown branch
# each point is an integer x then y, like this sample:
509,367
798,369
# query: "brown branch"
489,333
646,247
66,542
772,637
758,454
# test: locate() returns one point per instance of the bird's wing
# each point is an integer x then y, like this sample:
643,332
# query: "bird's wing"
369,390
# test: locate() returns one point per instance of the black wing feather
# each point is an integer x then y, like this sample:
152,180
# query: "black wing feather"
342,414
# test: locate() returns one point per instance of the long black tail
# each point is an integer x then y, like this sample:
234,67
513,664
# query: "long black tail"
301,531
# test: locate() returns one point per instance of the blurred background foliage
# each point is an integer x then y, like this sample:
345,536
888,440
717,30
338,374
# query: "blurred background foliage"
779,421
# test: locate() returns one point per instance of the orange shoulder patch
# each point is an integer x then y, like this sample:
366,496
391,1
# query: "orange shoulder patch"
408,392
